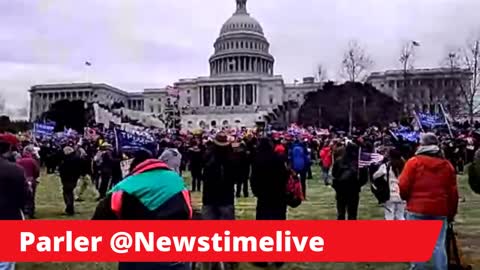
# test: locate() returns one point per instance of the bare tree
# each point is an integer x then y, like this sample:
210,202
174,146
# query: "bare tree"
407,55
355,63
2,104
407,59
467,59
322,73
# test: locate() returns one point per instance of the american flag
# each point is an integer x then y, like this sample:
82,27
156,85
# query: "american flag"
367,159
172,91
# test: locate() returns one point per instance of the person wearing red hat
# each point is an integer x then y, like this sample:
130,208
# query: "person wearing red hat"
13,190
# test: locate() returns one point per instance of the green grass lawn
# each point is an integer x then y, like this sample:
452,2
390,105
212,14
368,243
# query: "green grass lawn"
320,206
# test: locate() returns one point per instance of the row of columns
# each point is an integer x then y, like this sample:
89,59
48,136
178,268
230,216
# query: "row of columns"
241,64
136,104
242,90
64,95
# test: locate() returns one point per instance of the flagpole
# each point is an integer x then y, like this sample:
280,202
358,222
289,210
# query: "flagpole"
446,120
350,116
418,121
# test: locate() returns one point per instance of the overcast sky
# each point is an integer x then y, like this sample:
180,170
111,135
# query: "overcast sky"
136,44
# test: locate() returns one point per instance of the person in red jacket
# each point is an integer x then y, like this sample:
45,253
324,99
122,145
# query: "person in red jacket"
32,172
428,184
326,162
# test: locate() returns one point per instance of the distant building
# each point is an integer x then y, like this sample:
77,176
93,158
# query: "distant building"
241,90
424,89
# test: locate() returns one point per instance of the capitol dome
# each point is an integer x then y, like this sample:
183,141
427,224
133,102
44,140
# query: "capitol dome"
241,22
241,47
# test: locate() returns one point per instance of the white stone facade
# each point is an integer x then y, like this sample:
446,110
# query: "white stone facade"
424,89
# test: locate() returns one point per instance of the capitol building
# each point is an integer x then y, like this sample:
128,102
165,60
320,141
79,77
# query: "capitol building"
241,90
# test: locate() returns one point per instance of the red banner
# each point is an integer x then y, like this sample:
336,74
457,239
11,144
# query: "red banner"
213,241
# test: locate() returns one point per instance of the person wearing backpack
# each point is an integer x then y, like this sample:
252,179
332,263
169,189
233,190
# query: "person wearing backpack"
474,173
347,182
300,162
389,172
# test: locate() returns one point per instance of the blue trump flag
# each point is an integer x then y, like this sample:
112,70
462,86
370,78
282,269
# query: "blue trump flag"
431,120
127,141
44,129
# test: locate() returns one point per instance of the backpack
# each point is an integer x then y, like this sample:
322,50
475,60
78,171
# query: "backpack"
456,260
294,191
380,187
298,158
473,177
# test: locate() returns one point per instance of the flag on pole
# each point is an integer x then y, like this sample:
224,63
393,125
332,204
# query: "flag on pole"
366,159
172,91
415,43
87,63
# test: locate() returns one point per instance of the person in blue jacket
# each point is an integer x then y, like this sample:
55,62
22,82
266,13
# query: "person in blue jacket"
300,162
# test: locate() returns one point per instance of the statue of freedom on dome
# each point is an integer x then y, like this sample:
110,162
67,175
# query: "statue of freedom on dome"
242,5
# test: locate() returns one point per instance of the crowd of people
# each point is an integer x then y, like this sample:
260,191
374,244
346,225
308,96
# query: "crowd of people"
420,176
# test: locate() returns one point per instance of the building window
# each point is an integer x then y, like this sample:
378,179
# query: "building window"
159,100
219,96
271,100
188,91
241,44
202,124
206,96
228,95
236,95
152,110
189,100
213,123
159,108
225,123
249,94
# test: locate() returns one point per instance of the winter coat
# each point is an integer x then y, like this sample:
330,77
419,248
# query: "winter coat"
326,157
269,179
218,177
429,185
299,158
196,160
30,166
240,163
70,168
13,190
151,192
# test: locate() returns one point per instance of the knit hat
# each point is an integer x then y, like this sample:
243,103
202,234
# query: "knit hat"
428,139
68,150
